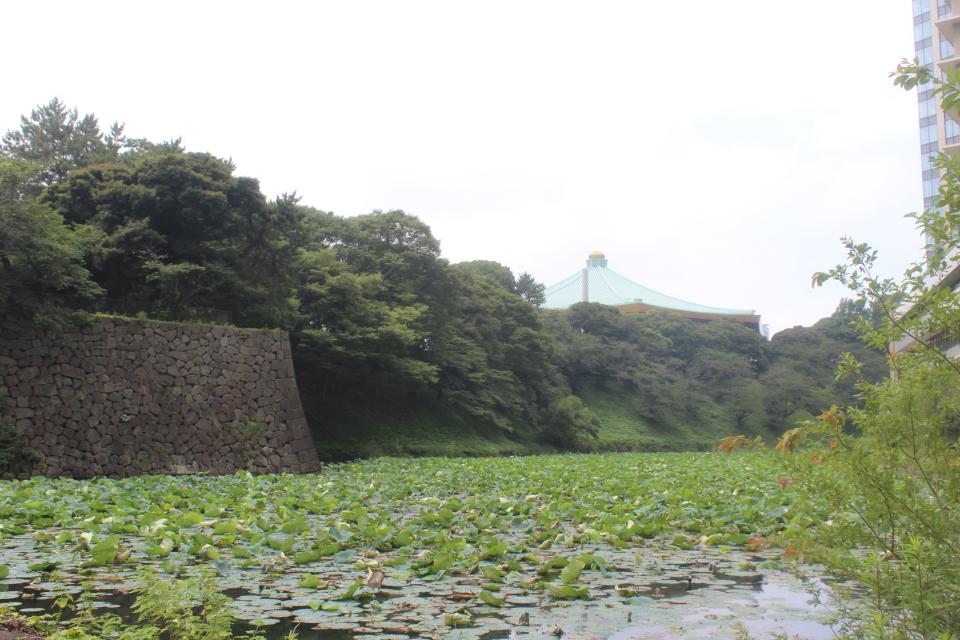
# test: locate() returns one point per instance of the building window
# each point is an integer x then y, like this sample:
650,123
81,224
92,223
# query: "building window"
926,163
925,55
930,187
944,9
930,147
920,6
921,32
927,107
931,173
951,131
928,203
946,48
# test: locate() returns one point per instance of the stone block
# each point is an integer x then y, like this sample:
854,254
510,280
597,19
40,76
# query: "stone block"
126,397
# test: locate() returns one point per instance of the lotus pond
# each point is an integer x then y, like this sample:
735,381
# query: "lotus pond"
581,546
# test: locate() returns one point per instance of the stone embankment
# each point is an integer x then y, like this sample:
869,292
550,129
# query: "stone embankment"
129,397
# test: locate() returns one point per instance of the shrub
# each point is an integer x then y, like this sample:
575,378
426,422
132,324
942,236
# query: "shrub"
15,454
889,470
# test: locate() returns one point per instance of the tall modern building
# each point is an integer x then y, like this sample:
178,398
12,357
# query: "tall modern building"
936,35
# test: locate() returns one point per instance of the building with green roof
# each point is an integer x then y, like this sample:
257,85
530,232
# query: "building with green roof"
599,283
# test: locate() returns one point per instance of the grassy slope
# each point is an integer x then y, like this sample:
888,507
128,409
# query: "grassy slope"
424,428
622,430
413,427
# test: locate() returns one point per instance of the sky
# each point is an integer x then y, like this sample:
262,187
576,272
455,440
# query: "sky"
714,151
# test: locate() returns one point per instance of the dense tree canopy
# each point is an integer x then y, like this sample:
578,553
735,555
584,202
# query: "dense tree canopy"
675,371
57,139
95,221
41,258
183,238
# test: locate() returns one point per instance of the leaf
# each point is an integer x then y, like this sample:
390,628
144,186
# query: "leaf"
456,620
346,555
327,549
110,543
225,527
4,571
190,519
303,557
491,599
351,591
790,440
566,592
101,559
551,564
492,573
732,443
209,552
494,550
571,572
309,581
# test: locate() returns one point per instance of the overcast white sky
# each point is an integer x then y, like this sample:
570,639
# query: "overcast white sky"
716,151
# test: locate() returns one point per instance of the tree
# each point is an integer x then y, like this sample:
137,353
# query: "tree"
352,337
42,275
395,244
889,469
495,271
367,290
567,421
531,290
57,139
183,238
495,360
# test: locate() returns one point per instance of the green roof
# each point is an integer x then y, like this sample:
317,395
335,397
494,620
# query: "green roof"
608,287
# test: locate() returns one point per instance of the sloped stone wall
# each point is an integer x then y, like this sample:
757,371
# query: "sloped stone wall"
129,397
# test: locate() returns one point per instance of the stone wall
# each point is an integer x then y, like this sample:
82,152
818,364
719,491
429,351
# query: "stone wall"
129,397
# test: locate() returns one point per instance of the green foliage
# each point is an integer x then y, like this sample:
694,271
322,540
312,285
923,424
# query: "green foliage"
363,320
252,429
890,473
184,609
373,310
176,608
491,270
531,290
56,139
383,314
185,239
800,381
403,425
551,528
568,420
496,362
42,275
16,455
889,469
672,374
